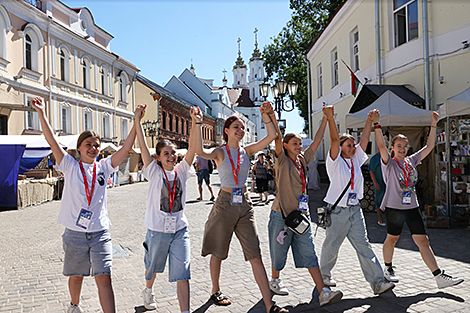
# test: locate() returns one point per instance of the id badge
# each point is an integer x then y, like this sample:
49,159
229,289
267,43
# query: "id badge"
170,224
84,218
352,199
406,198
303,204
237,196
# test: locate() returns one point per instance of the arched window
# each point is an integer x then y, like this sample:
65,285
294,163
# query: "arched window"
28,52
5,27
62,65
85,74
103,81
123,79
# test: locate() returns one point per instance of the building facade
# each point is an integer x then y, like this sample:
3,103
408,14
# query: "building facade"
420,44
50,50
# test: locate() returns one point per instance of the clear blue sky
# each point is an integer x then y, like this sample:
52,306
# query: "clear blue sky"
162,37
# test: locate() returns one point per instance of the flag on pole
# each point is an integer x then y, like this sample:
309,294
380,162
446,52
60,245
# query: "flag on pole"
354,81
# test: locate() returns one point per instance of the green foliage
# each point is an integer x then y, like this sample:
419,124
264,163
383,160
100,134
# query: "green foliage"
284,57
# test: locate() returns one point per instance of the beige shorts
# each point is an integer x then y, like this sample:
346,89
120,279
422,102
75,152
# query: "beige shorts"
223,220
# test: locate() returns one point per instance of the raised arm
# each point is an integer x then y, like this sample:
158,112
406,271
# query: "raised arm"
121,154
38,104
334,137
196,133
266,109
327,112
144,149
374,116
192,144
278,140
431,142
365,136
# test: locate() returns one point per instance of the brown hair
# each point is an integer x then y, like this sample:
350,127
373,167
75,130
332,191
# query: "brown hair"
287,138
345,137
162,143
87,134
399,136
229,122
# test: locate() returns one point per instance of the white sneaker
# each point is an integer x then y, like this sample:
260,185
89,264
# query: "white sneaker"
149,299
389,274
329,282
74,308
329,297
277,286
444,280
383,287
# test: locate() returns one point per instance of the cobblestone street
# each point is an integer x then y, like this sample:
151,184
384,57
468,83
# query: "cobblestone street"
31,259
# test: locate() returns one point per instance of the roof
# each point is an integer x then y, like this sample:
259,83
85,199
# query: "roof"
168,94
240,97
370,93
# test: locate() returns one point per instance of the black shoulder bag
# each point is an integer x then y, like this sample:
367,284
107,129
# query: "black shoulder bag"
324,212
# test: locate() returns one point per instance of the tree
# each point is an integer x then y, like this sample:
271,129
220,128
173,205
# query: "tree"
284,58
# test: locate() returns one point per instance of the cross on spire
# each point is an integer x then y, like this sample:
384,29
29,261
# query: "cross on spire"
239,51
256,37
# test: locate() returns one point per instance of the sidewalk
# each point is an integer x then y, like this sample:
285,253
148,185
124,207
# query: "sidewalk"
31,259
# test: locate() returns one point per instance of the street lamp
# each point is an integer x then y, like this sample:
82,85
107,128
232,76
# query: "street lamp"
279,91
151,129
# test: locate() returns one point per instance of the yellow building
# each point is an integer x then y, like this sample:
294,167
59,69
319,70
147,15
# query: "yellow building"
420,44
50,50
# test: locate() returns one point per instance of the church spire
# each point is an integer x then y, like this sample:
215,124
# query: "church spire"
192,69
239,62
256,53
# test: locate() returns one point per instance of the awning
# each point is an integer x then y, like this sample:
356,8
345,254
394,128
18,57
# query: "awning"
456,105
16,107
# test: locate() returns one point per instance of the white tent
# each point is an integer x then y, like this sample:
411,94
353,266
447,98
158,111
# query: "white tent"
456,105
394,111
36,145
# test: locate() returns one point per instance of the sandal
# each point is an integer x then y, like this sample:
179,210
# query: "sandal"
218,297
277,309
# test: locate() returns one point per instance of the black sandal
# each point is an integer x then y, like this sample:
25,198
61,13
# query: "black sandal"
276,309
218,297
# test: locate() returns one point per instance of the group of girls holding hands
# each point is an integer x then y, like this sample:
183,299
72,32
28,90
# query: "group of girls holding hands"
87,241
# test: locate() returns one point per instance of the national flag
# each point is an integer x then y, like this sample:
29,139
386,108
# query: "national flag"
354,81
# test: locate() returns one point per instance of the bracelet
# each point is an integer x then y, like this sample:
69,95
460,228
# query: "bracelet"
376,123
377,126
272,114
267,122
198,123
433,126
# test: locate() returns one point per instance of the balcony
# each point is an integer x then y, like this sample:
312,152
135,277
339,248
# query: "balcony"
35,3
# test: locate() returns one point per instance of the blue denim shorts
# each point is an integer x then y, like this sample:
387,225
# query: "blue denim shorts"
303,248
203,175
158,246
87,253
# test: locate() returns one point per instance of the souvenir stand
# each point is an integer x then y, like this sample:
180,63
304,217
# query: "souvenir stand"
453,165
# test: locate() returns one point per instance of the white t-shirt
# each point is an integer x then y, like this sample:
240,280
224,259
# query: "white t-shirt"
74,195
340,174
158,203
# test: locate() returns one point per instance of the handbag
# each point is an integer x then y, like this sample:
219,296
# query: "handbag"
270,175
324,212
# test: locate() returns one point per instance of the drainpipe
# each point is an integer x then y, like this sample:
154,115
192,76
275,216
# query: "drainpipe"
308,97
377,42
427,80
49,70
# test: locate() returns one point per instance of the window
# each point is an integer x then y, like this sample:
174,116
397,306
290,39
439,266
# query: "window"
85,74
405,18
103,81
334,68
164,120
87,120
106,126
62,65
171,122
187,127
28,50
32,117
176,124
5,27
319,81
354,41
124,128
122,86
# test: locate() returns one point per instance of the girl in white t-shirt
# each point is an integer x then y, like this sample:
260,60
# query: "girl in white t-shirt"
167,226
86,240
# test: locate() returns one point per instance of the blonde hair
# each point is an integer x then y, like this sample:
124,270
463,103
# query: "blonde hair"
399,136
345,137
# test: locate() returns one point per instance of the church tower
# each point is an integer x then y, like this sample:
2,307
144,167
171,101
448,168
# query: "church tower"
239,70
256,73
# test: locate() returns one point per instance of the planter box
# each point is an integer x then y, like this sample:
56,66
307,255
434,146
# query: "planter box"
437,221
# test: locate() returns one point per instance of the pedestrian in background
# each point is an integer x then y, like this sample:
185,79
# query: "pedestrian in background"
375,170
291,168
400,200
83,211
167,225
203,174
260,172
233,210
343,165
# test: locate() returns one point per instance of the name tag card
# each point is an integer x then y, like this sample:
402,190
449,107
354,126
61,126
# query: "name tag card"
352,199
170,224
84,218
406,198
303,204
237,196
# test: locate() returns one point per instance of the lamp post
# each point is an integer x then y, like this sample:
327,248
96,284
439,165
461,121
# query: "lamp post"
151,129
279,91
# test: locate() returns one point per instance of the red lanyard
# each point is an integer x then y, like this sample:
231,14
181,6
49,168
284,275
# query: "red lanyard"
301,172
235,172
406,173
171,191
351,168
89,193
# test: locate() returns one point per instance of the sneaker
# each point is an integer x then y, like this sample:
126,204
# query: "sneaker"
444,280
329,282
149,299
383,287
328,296
212,198
74,308
277,286
383,224
389,274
